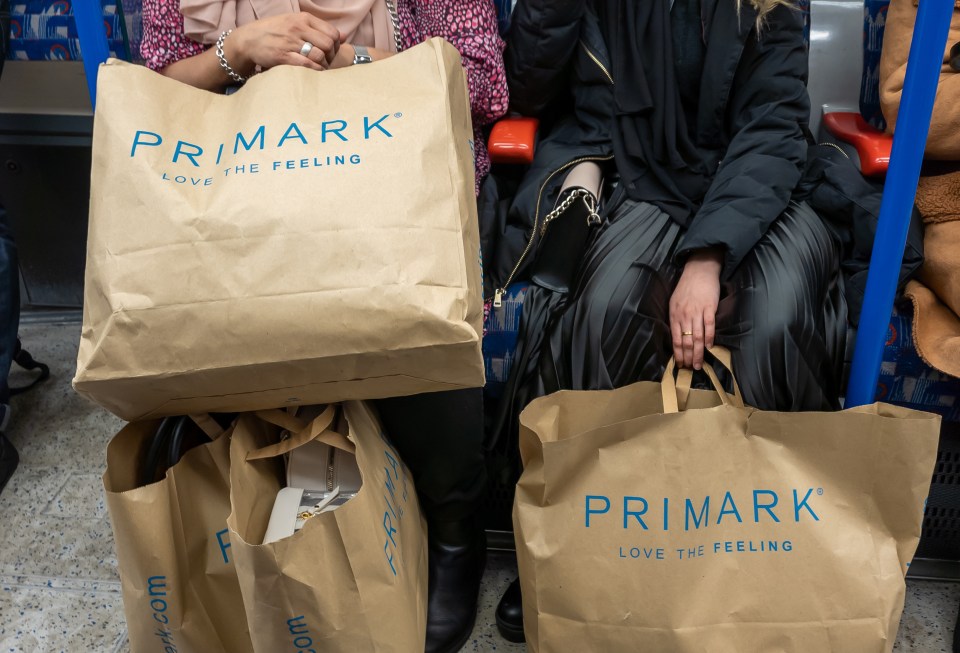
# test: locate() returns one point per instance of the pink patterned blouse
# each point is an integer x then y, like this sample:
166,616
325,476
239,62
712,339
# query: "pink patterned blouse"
470,25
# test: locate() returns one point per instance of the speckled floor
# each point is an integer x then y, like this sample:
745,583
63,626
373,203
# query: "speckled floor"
59,589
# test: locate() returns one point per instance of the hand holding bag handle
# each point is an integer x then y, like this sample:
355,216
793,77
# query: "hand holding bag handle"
676,392
320,429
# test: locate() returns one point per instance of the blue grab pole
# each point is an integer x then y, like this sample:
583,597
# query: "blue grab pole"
93,40
913,125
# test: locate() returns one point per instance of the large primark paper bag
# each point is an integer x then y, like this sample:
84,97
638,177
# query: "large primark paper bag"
718,528
311,238
177,574
350,581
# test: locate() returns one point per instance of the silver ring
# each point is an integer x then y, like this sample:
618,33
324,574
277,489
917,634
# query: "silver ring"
305,50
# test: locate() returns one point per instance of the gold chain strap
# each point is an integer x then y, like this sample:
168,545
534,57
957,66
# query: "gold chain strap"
836,147
589,200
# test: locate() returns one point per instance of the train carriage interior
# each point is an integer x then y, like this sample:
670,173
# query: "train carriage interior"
59,584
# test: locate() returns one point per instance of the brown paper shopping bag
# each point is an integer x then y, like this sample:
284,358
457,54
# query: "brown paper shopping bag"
180,588
350,581
310,238
718,528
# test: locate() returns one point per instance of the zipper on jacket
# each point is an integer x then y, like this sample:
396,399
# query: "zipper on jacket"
597,61
499,292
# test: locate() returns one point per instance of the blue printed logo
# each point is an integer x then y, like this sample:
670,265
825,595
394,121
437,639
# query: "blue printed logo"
157,591
296,146
396,496
759,506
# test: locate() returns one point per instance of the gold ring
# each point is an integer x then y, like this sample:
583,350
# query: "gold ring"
687,333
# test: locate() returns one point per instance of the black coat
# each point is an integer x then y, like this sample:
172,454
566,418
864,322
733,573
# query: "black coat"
752,120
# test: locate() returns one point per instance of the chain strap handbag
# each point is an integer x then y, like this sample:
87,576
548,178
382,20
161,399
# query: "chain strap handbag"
567,229
563,239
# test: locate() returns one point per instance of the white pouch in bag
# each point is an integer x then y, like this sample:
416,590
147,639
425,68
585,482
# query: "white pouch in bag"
320,478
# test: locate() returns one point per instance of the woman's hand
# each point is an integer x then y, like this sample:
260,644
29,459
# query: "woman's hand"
277,41
693,307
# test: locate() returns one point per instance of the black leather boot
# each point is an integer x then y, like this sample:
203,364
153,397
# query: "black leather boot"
457,557
510,614
9,458
956,635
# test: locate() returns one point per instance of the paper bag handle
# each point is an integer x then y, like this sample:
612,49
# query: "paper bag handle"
684,382
318,429
676,392
208,425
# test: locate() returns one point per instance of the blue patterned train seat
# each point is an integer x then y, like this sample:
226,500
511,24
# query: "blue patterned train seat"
45,30
501,329
906,380
874,22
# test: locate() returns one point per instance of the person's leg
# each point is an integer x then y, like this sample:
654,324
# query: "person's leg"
784,318
9,323
440,438
614,329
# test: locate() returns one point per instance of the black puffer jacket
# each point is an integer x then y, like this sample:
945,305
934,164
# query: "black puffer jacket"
752,120
572,95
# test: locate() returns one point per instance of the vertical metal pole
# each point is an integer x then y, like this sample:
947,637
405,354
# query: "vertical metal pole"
913,125
93,40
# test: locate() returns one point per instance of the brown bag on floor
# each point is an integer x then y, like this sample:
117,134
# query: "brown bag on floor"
716,528
278,248
350,581
180,588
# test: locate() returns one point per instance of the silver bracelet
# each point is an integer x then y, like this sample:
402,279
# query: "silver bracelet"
231,73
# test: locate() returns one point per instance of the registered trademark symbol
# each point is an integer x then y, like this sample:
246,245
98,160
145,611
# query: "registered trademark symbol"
820,491
398,115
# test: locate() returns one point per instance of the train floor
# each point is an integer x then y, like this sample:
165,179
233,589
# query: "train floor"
59,589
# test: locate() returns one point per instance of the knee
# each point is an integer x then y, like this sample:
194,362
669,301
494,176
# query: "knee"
784,309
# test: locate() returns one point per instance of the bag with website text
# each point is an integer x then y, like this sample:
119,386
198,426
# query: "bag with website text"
279,248
351,580
661,519
180,587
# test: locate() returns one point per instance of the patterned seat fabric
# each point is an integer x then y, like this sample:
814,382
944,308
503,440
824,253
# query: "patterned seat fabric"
906,380
501,326
874,22
45,30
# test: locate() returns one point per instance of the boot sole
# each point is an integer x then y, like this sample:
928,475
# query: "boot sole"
510,632
457,645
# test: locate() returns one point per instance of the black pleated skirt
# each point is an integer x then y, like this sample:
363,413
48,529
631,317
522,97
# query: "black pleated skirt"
782,314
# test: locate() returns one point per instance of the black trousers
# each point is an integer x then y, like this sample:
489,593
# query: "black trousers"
440,438
782,313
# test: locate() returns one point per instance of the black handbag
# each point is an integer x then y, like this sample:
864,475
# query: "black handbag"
563,239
